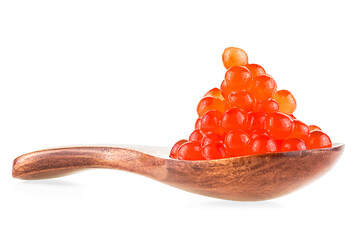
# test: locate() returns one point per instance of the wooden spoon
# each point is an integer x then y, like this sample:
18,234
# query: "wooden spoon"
246,178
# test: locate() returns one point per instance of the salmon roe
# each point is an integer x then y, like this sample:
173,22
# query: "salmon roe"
234,118
241,99
300,130
262,144
234,56
238,78
314,128
318,139
214,151
263,87
255,70
293,144
175,148
211,137
190,151
247,115
286,101
266,106
211,122
210,103
236,141
215,93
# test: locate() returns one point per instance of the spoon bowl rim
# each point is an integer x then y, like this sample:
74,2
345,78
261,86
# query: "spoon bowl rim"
274,154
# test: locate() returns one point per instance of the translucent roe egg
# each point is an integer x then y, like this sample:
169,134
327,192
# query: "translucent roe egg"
214,151
234,118
214,92
300,130
238,78
211,137
314,128
211,122
263,87
293,144
210,103
256,121
173,153
318,139
196,136
279,125
225,90
256,70
266,106
241,99
262,144
286,101
236,141
234,56
190,151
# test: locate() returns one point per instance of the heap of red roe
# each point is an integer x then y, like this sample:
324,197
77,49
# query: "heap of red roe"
247,115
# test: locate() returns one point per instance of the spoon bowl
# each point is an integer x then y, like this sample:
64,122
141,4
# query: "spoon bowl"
245,178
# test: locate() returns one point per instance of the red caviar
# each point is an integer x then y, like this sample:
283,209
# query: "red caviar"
238,78
211,122
236,141
300,130
214,151
175,147
256,70
263,87
318,139
266,106
196,136
210,103
234,118
241,99
314,128
247,115
233,56
293,144
286,101
262,144
211,137
190,151
279,125
215,93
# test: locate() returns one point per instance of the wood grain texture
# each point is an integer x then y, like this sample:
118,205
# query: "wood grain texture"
247,178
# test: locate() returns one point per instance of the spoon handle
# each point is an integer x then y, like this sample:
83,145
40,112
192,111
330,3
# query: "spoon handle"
59,162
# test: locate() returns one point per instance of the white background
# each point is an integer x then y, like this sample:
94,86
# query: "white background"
131,72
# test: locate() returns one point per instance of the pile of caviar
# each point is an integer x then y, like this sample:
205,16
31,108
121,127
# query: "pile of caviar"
247,115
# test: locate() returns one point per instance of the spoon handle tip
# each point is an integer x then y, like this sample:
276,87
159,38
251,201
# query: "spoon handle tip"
63,161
